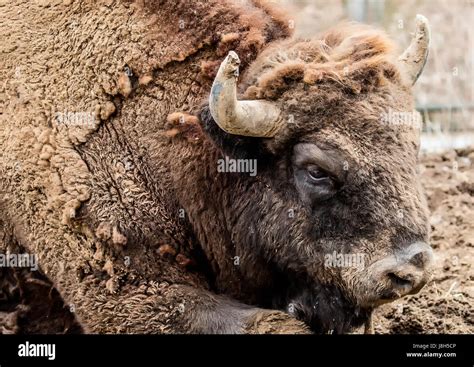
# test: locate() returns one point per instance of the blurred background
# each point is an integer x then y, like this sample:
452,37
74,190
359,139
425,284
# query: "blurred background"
445,91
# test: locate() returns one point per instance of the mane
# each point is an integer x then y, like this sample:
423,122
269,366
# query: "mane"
354,56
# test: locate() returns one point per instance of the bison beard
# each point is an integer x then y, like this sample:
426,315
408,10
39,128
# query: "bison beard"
324,309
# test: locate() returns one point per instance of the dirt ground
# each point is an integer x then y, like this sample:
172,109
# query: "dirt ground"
446,304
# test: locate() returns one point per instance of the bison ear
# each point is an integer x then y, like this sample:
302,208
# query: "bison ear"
235,146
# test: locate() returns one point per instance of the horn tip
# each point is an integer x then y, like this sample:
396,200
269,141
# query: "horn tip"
233,58
421,18
233,55
422,25
230,65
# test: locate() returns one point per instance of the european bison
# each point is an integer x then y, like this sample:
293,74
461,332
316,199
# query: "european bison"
289,202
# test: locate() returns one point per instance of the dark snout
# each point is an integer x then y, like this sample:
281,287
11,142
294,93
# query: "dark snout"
405,272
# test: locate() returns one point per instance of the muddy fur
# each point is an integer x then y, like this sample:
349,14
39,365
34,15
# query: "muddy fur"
96,202
130,219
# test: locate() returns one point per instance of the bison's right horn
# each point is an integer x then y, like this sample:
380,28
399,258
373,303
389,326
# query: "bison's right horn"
414,58
248,118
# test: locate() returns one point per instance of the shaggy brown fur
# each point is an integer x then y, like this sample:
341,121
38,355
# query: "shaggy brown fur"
82,196
128,215
351,62
356,56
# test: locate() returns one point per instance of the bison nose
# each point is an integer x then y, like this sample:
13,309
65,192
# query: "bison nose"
408,270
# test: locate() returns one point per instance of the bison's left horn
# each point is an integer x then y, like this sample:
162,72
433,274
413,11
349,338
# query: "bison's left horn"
248,118
414,58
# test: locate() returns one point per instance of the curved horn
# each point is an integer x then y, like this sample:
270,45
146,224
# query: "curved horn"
414,58
247,118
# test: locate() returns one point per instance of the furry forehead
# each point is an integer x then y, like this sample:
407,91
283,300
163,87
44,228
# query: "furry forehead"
356,57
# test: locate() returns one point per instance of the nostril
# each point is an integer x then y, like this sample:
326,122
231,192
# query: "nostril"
420,259
420,255
398,281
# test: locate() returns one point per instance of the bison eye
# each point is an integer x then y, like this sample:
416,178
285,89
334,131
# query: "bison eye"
314,184
317,175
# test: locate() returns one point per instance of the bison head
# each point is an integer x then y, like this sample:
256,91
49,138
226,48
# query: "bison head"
336,210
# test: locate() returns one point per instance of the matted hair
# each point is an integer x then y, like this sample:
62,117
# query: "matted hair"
355,56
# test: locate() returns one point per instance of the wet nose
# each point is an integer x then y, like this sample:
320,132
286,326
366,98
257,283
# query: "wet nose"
408,270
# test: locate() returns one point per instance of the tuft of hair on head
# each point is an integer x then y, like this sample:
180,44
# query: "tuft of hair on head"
356,57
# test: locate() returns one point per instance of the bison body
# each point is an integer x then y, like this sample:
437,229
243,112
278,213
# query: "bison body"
110,166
